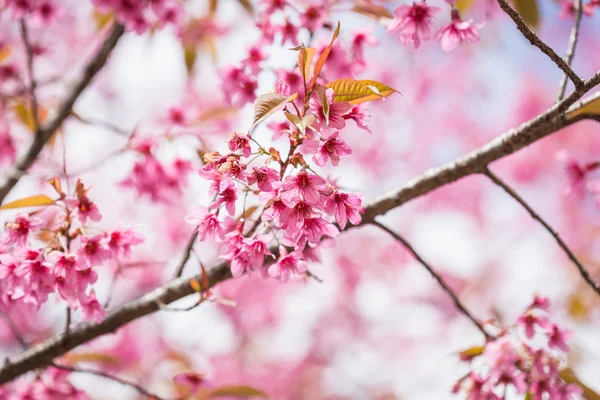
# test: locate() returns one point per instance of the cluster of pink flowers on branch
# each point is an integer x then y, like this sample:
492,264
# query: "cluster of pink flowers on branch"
527,358
413,24
300,204
63,257
142,15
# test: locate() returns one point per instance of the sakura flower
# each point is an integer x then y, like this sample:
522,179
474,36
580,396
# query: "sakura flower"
257,249
289,31
207,223
93,250
413,23
287,265
331,148
345,207
192,381
85,208
120,241
264,177
313,18
8,277
237,254
66,265
255,57
311,233
17,232
333,116
359,114
227,197
240,141
176,116
530,321
458,31
91,309
37,276
360,38
540,302
301,186
558,338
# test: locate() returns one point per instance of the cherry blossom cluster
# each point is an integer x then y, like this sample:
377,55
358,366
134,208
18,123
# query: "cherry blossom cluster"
154,179
526,358
41,10
567,8
413,24
62,259
51,384
142,15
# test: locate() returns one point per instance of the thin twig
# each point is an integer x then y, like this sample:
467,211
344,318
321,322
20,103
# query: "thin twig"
570,53
582,270
32,82
44,133
15,331
111,288
537,42
68,323
122,381
186,255
435,276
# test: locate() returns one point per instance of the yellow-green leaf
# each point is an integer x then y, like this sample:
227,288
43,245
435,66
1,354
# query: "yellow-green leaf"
359,91
471,352
590,107
235,391
529,11
102,19
268,104
189,55
569,376
323,57
102,358
305,58
372,10
33,201
464,5
195,285
301,123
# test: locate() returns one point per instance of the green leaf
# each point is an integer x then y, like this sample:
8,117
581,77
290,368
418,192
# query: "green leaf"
529,11
235,391
33,201
569,376
323,57
268,104
359,91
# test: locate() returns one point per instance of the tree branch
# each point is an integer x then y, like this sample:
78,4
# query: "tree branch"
474,162
537,42
44,133
124,382
435,276
582,270
571,47
186,255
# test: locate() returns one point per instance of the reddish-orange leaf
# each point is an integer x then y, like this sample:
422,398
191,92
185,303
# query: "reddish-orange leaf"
305,58
323,57
195,285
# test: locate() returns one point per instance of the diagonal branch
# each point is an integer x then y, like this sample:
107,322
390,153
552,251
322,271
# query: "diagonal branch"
122,381
537,42
582,270
472,163
435,276
571,47
44,133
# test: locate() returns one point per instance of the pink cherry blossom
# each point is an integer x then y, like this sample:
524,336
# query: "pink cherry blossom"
331,148
257,249
458,31
345,207
85,208
302,186
93,250
193,381
264,177
207,223
413,23
334,117
558,338
240,141
7,147
17,232
288,265
91,309
120,241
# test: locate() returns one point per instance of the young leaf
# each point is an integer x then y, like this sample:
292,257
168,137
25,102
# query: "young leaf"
323,57
471,353
359,91
189,55
33,201
464,5
101,358
195,285
301,123
4,52
372,10
212,6
102,19
321,93
247,6
305,58
268,104
235,391
55,183
528,10
204,282
591,107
